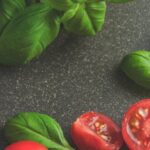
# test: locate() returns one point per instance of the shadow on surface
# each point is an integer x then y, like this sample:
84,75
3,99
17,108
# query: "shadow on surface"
62,49
130,86
2,139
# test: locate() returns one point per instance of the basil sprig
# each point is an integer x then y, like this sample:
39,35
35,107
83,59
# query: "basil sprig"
36,127
27,27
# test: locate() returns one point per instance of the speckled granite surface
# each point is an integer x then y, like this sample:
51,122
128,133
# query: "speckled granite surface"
79,74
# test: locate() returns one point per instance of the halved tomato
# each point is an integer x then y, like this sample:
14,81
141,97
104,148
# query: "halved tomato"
94,131
136,126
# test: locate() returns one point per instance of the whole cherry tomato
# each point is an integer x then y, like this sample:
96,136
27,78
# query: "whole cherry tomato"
136,126
25,145
94,131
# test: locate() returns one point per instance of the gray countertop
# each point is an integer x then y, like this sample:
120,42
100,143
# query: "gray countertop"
79,74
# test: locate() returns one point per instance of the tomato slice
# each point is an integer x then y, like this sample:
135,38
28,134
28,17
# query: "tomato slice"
94,131
136,126
25,145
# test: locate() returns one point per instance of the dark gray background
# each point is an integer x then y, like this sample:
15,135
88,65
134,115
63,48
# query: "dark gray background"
79,74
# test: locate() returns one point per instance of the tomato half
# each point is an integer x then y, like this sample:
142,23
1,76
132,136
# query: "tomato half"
136,126
94,131
25,145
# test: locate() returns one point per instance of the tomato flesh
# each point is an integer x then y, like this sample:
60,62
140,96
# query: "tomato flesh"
94,131
136,126
25,145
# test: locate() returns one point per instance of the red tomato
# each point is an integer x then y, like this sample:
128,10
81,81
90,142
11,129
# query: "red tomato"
94,131
136,126
25,145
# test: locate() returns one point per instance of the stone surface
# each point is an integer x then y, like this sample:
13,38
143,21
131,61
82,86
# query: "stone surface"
79,74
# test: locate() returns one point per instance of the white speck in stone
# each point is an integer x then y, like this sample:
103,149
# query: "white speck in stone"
54,95
90,81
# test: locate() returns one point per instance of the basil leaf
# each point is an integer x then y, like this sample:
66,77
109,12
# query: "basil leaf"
59,4
118,1
8,9
85,18
46,2
28,34
30,2
137,67
36,127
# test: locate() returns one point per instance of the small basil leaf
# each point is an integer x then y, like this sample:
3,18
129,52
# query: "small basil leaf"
137,67
28,34
36,127
59,4
8,9
119,1
85,18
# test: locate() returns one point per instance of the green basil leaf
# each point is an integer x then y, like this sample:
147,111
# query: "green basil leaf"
8,9
85,18
28,34
36,127
30,2
59,4
46,2
119,1
137,67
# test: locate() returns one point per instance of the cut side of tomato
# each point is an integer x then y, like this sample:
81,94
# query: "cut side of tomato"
94,131
136,126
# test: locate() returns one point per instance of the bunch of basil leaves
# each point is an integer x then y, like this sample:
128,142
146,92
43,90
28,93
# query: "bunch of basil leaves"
27,27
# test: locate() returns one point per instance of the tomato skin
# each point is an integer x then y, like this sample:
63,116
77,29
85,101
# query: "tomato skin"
25,145
85,139
145,103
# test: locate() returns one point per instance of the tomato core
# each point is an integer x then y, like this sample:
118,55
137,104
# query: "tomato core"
101,129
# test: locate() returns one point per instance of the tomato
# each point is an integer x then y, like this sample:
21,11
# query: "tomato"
25,145
94,131
136,126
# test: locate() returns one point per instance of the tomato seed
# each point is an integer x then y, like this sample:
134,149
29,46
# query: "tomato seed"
97,124
135,123
103,128
143,112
